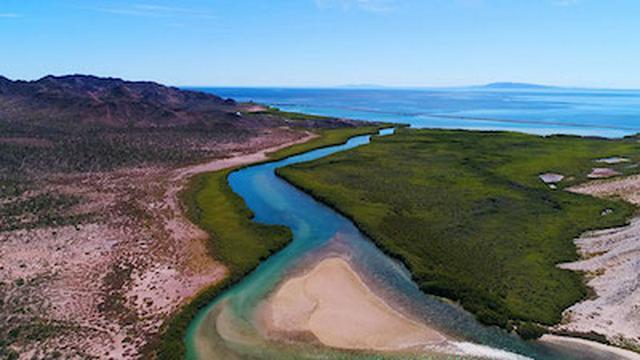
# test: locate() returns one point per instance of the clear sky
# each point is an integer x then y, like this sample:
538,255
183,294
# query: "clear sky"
326,42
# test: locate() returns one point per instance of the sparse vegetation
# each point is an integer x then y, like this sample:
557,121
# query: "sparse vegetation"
35,330
530,331
114,303
468,215
60,134
37,211
293,116
107,149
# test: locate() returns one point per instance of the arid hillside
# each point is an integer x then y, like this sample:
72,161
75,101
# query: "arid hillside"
86,123
88,101
95,252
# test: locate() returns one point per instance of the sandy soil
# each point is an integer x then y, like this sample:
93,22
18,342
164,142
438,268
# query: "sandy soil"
580,344
109,283
602,173
332,303
627,188
611,260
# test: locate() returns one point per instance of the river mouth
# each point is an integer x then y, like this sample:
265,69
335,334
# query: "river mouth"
232,326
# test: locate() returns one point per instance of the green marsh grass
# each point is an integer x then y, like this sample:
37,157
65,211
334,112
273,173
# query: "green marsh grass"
468,215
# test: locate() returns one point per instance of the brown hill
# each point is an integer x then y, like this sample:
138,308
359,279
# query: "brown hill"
80,123
89,101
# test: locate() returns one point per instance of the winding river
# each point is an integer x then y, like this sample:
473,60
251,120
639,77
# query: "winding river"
228,328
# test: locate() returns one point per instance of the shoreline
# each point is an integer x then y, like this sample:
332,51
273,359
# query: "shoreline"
597,345
333,304
577,339
578,342
609,259
617,345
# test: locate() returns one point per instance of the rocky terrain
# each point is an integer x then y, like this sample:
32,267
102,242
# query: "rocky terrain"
94,251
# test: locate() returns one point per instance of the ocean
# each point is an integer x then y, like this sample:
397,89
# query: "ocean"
607,113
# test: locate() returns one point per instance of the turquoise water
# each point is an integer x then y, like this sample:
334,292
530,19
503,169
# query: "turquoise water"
228,328
610,113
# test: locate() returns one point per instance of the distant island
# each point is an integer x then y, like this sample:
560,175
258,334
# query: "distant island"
506,85
515,85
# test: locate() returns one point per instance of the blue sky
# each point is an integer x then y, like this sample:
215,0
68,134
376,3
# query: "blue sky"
590,43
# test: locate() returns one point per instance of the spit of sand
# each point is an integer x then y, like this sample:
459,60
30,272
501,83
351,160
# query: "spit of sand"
332,303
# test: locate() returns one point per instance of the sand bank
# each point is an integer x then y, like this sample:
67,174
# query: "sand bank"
581,344
611,260
333,304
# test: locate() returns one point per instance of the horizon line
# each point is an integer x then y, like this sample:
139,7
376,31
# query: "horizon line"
509,85
533,86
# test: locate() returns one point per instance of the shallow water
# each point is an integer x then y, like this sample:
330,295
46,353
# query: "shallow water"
228,328
609,113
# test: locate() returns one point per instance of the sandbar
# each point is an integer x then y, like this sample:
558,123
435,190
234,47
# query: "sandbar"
332,303
581,344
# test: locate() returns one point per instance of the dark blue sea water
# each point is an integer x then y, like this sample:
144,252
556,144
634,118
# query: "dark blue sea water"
609,113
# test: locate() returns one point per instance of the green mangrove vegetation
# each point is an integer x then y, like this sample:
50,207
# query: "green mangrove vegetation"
293,116
469,216
235,240
326,137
